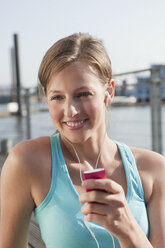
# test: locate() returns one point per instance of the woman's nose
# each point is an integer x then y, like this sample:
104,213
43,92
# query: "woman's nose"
71,108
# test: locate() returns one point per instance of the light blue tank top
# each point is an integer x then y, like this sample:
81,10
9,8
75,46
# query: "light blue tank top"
59,215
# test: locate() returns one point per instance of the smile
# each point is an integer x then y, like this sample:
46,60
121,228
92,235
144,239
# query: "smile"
75,124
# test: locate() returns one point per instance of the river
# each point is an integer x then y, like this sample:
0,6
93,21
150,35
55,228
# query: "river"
131,125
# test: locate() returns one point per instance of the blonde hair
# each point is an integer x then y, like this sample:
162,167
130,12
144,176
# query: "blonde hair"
77,47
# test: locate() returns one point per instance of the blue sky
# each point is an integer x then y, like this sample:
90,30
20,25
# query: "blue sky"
132,31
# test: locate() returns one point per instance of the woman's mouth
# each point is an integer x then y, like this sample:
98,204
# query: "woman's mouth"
75,124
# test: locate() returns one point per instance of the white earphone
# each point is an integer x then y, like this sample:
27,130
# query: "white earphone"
108,97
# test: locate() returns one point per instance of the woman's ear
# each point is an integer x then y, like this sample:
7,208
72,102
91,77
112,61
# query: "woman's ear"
110,89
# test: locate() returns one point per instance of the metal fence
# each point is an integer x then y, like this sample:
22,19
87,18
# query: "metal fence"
154,81
127,85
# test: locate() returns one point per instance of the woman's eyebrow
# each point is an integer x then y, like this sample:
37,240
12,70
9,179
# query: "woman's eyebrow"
77,89
83,88
54,91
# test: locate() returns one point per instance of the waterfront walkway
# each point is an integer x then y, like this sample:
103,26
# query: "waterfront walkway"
34,237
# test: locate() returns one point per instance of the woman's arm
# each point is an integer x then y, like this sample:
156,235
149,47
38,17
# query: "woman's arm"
111,210
156,202
151,167
16,200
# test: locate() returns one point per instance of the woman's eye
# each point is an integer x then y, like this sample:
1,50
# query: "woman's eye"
84,94
58,97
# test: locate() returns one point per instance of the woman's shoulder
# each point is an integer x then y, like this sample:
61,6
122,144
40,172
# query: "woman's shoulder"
151,167
29,150
147,158
27,145
27,156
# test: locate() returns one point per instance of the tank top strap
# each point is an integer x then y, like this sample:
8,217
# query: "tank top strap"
134,184
54,173
58,161
54,140
53,151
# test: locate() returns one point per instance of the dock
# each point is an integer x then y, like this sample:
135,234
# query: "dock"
34,235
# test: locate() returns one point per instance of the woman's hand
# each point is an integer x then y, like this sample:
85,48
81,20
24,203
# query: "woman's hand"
107,206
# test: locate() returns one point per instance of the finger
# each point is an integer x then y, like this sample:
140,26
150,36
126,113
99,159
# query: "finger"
102,197
95,208
100,219
107,185
93,196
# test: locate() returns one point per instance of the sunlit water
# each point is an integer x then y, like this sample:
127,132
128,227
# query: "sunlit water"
131,125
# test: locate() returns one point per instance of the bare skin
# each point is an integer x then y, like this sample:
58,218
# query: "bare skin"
75,95
26,180
20,175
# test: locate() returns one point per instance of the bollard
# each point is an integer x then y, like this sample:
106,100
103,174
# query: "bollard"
6,145
27,104
156,118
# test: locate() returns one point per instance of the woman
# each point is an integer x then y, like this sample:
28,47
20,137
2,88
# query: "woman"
45,174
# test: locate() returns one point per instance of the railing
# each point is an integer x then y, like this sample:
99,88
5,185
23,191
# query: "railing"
155,81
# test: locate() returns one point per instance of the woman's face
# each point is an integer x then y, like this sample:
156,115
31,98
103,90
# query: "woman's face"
76,102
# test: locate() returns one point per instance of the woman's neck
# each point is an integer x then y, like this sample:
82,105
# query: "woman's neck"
92,151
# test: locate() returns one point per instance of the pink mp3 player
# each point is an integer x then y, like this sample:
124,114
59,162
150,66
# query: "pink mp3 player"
94,174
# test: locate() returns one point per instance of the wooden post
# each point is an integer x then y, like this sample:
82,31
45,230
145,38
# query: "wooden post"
155,102
6,145
13,76
27,104
17,70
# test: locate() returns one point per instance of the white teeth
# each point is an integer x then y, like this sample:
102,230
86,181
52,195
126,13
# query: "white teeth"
74,124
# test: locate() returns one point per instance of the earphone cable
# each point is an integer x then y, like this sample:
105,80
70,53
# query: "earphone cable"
78,159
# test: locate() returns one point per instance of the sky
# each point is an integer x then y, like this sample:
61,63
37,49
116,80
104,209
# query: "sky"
133,32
